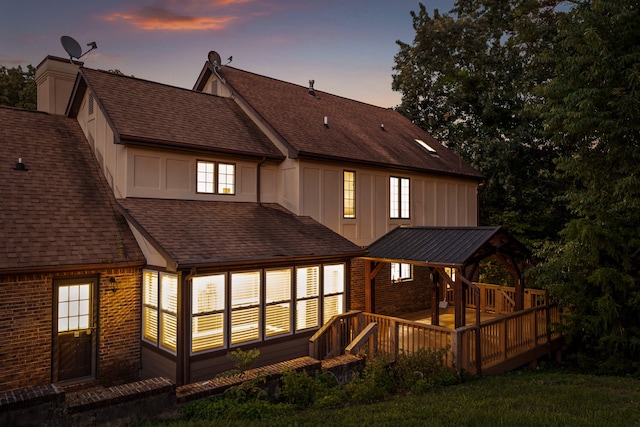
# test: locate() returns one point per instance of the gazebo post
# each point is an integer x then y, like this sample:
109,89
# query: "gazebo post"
435,298
460,304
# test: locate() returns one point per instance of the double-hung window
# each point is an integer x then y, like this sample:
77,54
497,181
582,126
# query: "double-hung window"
215,177
160,309
307,296
333,290
349,194
245,307
277,302
398,197
208,309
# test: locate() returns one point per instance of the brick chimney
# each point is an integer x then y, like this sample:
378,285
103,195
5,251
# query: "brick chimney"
55,78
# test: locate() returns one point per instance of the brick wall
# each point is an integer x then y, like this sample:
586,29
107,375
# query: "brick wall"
26,327
391,298
25,331
120,325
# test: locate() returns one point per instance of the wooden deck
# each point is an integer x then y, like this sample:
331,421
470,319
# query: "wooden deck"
447,317
503,341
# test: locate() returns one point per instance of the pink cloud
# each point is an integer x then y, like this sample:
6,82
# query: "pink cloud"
159,18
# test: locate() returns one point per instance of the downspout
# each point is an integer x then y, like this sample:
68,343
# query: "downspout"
262,162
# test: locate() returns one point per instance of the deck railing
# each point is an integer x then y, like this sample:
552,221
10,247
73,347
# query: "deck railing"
511,339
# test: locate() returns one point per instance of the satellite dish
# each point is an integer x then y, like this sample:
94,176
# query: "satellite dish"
215,59
71,46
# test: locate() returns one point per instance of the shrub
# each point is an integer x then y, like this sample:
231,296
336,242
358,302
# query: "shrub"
302,389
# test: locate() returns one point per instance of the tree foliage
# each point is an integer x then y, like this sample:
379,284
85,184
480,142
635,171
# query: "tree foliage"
468,79
592,110
18,87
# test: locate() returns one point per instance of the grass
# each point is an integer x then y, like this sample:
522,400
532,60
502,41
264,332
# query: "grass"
523,398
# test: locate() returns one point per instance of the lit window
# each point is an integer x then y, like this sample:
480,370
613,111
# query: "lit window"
398,197
226,178
333,283
307,295
206,178
160,309
207,307
400,272
278,302
349,188
245,307
74,307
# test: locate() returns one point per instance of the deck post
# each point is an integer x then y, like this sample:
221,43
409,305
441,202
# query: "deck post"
460,306
435,299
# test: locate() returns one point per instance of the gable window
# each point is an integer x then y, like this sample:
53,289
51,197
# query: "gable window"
349,194
398,197
207,172
400,272
160,309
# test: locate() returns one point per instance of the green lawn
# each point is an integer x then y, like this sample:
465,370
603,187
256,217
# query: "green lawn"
525,398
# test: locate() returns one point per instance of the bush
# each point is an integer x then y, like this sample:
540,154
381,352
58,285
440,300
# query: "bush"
301,389
423,370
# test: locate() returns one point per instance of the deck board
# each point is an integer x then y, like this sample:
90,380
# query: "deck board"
447,317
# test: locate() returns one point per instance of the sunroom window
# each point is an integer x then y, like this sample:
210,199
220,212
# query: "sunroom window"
160,309
307,296
245,307
278,302
207,323
333,291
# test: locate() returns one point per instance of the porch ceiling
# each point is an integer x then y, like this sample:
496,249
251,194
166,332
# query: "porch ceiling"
444,246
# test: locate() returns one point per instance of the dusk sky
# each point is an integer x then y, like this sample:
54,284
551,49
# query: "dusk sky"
346,46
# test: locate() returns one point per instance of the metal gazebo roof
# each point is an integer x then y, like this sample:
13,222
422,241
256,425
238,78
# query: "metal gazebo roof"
444,246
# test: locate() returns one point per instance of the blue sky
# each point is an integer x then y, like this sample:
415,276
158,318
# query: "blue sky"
346,46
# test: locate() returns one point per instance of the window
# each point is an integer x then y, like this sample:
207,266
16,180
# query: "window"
398,197
278,302
160,309
349,194
206,178
245,307
73,307
333,283
400,272
207,307
307,295
90,103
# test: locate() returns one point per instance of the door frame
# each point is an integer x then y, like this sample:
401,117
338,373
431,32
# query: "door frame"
94,289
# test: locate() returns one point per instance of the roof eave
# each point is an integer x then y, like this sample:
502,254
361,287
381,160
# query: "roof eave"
192,148
212,263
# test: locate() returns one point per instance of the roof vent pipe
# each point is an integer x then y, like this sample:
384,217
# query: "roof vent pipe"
326,121
20,166
311,91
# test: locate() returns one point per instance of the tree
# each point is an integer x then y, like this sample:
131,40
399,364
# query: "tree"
468,79
592,110
18,87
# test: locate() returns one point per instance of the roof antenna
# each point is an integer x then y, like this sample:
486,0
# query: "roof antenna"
216,62
73,47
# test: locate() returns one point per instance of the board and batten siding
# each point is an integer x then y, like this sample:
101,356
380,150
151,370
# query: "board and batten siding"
436,200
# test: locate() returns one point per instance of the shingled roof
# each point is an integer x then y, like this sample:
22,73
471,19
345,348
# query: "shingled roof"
149,113
207,233
60,213
356,132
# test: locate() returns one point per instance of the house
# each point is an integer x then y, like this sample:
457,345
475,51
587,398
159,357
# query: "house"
251,202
